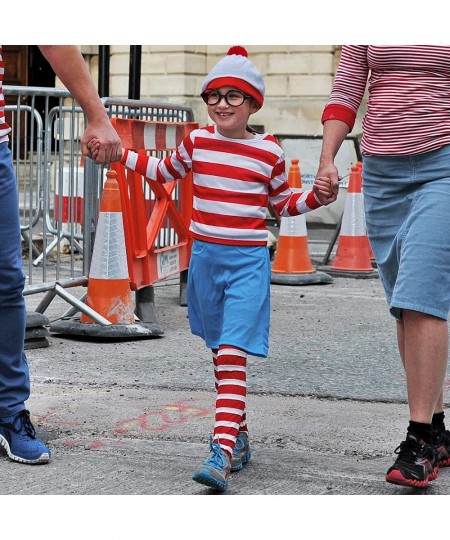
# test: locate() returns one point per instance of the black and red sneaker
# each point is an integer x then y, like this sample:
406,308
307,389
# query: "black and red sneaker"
441,442
416,464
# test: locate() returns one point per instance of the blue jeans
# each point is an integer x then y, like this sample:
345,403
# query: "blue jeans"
14,372
407,207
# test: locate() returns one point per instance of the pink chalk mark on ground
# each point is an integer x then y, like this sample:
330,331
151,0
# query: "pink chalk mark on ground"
160,420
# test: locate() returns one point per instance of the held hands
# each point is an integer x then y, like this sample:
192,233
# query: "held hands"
108,146
326,184
326,189
94,147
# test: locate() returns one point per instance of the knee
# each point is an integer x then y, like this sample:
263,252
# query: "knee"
12,282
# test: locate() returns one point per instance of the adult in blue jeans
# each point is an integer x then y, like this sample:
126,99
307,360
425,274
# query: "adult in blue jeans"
17,434
406,188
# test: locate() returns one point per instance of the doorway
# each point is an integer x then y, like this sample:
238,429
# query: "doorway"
25,65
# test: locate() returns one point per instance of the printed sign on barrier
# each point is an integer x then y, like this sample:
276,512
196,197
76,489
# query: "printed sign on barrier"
306,148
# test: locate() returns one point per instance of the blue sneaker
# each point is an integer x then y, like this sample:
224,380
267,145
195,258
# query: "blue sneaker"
215,471
241,453
18,438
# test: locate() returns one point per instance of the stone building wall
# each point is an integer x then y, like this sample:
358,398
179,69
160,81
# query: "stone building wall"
298,79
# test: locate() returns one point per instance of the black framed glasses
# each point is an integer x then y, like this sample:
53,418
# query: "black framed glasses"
234,98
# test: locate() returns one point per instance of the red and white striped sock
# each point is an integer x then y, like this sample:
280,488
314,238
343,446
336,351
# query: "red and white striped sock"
230,370
243,426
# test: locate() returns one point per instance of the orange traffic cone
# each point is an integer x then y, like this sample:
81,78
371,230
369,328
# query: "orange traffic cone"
109,292
292,263
371,255
353,252
294,175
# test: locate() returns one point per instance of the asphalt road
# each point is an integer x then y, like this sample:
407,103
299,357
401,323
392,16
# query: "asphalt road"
133,418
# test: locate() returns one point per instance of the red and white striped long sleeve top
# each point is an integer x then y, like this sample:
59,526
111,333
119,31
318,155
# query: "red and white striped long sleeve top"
234,181
4,128
408,109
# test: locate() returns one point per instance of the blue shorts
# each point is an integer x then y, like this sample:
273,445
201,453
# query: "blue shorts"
228,296
407,212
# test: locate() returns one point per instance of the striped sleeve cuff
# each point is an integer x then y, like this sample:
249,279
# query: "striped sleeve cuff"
339,112
123,161
306,202
312,201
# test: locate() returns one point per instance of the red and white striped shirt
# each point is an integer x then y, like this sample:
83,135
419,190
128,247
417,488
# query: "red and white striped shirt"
408,110
4,128
234,181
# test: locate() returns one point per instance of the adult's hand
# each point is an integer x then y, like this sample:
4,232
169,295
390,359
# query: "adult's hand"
109,147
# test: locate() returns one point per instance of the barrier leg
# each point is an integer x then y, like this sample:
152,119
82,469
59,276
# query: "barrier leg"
145,305
183,287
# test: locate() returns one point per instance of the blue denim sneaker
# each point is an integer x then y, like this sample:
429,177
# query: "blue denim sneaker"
241,453
18,438
215,471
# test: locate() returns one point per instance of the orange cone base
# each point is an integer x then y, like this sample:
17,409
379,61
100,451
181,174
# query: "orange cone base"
300,279
352,255
292,264
292,256
111,299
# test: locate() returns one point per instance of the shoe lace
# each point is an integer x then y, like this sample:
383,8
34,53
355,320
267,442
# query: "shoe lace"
217,458
22,422
408,450
239,445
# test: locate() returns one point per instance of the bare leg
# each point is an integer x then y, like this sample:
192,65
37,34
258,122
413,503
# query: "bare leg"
423,345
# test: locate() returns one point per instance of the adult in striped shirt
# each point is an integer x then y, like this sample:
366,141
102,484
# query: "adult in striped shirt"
236,174
17,434
406,187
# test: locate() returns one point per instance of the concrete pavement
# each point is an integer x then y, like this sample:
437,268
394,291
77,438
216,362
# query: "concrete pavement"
332,386
326,410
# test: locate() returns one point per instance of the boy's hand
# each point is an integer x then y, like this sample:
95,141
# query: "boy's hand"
94,148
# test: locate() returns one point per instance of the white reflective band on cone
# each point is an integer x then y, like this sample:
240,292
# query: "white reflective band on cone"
109,260
293,226
353,221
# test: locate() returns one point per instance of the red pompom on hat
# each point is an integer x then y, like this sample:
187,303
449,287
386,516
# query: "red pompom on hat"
237,71
237,49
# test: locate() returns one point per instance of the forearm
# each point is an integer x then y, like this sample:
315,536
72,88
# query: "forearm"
147,166
70,67
334,134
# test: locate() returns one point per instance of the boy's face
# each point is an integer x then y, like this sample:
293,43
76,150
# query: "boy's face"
230,109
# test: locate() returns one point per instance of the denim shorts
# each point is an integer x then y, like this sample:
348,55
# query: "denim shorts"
228,296
407,213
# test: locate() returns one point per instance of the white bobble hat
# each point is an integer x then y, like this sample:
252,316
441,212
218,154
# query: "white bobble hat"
237,71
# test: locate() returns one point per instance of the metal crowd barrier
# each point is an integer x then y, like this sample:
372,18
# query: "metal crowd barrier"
156,217
59,190
308,148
